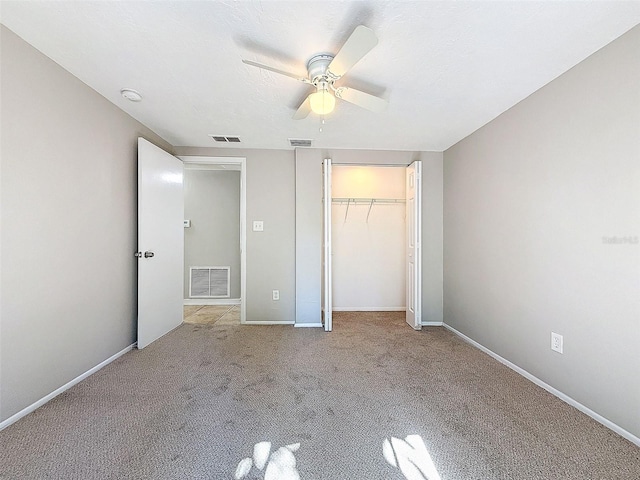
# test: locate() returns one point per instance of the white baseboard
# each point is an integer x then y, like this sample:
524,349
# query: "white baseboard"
431,324
368,309
25,411
211,301
303,325
268,322
567,399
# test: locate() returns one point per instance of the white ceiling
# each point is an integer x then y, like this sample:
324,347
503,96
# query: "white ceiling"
447,68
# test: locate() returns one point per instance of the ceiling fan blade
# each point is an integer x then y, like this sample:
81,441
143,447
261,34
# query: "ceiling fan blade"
275,70
303,110
362,99
361,41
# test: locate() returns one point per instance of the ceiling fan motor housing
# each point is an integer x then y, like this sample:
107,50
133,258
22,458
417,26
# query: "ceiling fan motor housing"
318,68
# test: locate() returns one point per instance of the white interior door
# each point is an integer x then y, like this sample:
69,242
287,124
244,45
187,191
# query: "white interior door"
414,240
327,303
160,242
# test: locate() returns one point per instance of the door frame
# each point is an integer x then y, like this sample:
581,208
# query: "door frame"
237,164
329,281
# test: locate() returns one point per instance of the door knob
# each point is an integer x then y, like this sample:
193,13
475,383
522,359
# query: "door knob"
148,254
137,254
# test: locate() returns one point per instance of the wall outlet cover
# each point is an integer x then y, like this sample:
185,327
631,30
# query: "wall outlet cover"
258,226
556,342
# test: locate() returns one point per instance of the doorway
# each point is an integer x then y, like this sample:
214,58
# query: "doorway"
371,251
214,240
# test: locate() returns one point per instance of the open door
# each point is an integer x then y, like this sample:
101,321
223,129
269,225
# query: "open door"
327,304
160,242
414,240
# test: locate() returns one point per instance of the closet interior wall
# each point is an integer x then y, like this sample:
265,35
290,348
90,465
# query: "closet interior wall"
368,238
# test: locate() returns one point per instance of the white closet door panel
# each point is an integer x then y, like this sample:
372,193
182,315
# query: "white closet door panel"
327,285
414,253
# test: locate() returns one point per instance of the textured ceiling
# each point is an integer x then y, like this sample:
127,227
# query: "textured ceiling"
447,68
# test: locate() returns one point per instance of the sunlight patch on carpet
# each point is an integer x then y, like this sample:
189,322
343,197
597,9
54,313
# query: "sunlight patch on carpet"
411,457
281,463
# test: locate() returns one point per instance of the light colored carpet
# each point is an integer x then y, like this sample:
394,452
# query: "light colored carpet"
371,400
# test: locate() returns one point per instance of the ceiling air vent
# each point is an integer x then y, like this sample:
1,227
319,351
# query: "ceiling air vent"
225,139
299,142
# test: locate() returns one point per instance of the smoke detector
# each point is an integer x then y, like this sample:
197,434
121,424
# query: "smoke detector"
131,95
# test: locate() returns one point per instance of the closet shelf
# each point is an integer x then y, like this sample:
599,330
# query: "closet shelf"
367,201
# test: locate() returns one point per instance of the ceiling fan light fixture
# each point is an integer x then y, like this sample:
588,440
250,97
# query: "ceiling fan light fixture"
322,102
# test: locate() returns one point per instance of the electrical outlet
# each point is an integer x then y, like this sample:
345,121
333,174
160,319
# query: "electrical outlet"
275,295
258,226
556,342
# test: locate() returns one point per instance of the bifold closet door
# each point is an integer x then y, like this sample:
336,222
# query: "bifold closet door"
160,242
327,284
414,240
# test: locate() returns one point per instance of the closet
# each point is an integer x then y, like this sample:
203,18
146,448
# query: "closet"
371,240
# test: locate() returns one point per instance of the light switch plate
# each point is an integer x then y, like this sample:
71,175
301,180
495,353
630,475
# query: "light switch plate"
258,226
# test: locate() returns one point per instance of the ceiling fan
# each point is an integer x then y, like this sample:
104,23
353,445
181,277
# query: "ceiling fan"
325,69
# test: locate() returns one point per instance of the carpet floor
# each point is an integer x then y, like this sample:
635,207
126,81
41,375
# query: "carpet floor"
371,400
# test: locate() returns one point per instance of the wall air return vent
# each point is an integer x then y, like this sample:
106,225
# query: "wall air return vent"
299,142
209,282
225,138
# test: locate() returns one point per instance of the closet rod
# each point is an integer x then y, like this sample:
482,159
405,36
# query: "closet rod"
367,200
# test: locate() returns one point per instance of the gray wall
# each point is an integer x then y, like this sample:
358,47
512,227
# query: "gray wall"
309,176
68,209
270,254
212,203
308,249
527,201
432,241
